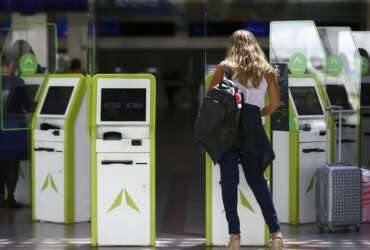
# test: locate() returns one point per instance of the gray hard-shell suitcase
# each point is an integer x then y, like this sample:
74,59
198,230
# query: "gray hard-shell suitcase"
338,194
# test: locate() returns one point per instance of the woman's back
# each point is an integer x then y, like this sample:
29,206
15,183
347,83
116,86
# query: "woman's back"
252,95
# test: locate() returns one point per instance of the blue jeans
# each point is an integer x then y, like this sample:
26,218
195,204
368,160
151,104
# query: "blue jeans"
253,171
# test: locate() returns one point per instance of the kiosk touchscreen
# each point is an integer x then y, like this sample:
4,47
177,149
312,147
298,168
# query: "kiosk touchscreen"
123,160
60,152
306,101
338,96
300,149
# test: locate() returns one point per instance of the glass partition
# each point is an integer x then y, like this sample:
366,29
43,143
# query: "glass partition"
297,43
343,63
28,52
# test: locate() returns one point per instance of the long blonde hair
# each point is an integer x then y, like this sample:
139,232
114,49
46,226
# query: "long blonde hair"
246,59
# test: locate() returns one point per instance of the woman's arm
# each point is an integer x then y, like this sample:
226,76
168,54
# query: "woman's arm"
217,76
273,92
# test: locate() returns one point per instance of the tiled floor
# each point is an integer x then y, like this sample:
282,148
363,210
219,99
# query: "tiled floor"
18,232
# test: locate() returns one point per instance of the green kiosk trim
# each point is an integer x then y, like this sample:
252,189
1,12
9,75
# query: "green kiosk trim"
94,137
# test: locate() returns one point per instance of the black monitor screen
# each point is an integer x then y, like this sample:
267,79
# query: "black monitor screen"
123,105
56,100
338,96
306,101
22,100
365,94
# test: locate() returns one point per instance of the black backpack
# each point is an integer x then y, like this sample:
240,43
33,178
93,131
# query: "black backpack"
217,126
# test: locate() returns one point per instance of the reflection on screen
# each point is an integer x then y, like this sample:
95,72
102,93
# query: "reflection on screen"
56,100
22,100
306,101
365,94
338,96
123,105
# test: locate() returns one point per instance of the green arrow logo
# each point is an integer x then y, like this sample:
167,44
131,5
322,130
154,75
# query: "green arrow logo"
118,201
334,65
245,203
28,64
310,185
49,181
297,63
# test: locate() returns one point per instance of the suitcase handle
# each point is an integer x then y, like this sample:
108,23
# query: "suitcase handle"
335,109
312,150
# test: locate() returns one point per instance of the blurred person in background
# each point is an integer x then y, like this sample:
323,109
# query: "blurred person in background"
76,66
12,148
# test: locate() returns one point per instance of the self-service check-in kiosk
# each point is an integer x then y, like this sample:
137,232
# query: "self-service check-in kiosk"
342,88
31,90
252,224
299,128
123,160
61,152
300,149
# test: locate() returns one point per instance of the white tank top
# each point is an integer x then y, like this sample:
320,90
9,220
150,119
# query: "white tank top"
254,96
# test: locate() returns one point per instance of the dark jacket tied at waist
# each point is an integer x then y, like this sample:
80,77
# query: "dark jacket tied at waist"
253,137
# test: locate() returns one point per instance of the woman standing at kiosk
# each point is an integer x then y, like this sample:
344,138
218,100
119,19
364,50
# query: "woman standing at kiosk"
246,65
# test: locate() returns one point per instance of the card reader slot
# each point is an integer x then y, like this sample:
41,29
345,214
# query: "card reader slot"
313,150
110,162
112,136
47,126
141,163
45,149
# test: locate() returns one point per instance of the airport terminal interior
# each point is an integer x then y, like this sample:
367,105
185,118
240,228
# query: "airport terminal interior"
98,103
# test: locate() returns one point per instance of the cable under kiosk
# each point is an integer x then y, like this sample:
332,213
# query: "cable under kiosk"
123,160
